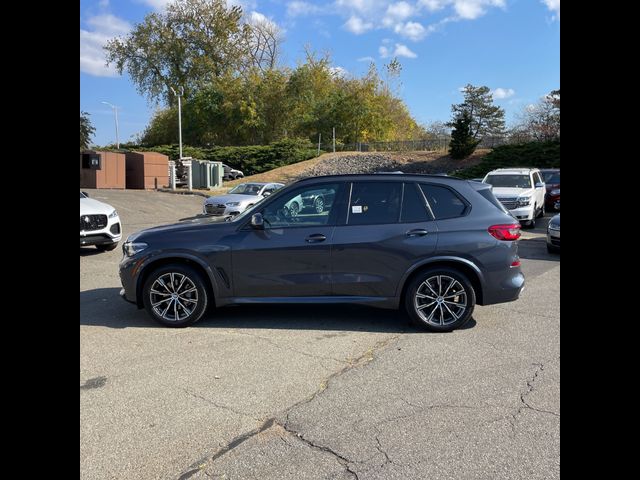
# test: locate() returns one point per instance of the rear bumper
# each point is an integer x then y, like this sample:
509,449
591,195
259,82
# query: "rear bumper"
508,290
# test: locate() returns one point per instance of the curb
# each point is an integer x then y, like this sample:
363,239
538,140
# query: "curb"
179,192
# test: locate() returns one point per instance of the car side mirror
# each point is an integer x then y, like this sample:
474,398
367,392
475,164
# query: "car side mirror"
539,185
266,194
85,194
257,222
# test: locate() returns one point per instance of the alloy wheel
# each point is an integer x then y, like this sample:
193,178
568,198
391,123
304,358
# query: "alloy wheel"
173,297
440,300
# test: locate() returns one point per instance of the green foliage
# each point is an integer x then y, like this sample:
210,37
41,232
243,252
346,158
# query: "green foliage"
86,130
462,142
189,44
487,119
532,154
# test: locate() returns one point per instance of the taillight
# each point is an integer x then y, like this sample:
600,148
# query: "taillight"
505,232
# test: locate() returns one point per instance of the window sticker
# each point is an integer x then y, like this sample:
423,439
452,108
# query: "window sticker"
356,209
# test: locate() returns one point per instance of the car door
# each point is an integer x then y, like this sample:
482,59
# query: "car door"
291,257
540,189
387,229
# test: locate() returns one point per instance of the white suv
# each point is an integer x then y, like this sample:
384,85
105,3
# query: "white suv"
521,191
99,224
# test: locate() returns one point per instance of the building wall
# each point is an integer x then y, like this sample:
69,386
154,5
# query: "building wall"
147,170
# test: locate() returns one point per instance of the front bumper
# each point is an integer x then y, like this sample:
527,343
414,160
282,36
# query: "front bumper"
523,213
108,235
553,237
219,211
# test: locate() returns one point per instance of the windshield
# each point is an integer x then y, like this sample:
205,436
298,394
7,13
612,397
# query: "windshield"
246,189
513,181
551,177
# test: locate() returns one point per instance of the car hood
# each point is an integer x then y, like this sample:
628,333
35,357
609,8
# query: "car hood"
500,192
89,206
555,220
182,226
233,198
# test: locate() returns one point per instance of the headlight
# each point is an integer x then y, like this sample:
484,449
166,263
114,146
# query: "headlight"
232,204
523,201
131,248
555,192
113,214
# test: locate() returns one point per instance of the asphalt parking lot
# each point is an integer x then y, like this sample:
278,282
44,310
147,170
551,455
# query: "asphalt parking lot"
308,393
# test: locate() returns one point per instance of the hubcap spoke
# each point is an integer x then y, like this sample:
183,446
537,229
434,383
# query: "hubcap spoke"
450,301
161,301
425,305
171,293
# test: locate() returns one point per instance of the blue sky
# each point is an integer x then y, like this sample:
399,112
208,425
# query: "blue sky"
511,46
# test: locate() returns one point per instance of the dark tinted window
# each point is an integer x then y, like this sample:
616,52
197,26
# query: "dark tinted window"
375,202
413,208
444,203
488,194
551,177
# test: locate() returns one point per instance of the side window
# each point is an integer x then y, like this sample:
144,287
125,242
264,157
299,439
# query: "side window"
374,203
303,207
536,178
443,201
413,207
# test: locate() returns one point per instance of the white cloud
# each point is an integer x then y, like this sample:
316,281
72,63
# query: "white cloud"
434,5
103,3
339,72
357,25
500,93
554,6
399,51
472,9
300,9
397,12
366,59
92,55
411,30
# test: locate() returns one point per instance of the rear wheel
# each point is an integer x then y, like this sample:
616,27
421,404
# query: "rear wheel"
175,295
294,209
440,299
529,223
318,204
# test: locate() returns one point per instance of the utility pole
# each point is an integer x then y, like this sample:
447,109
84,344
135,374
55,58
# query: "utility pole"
115,110
334,139
319,138
179,95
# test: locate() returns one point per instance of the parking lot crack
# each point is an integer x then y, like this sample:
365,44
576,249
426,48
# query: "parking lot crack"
344,461
382,451
219,405
524,404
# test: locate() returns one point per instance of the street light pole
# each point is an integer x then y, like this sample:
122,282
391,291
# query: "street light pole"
115,109
179,95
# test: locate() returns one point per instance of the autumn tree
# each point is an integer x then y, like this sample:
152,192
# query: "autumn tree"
541,121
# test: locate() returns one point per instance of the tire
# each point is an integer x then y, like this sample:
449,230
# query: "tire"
552,249
175,314
107,247
529,223
294,209
318,204
542,211
441,318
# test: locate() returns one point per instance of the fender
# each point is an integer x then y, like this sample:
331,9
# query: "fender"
177,254
439,258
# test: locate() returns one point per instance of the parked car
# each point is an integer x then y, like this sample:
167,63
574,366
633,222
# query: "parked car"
435,246
231,173
99,224
521,191
551,177
239,198
553,235
316,201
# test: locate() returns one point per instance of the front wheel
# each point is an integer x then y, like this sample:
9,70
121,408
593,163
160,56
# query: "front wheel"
440,299
530,223
318,205
175,296
542,211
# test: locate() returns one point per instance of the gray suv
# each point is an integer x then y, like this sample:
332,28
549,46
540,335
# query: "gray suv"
434,245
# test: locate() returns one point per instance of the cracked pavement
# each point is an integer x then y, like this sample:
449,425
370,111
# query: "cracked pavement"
331,392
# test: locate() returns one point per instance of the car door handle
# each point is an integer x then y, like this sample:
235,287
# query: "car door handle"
316,237
418,232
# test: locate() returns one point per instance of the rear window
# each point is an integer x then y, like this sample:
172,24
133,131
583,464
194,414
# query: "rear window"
443,201
374,203
413,207
488,194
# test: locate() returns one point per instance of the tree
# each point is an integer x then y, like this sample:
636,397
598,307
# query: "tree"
87,130
264,44
192,43
487,119
541,121
463,143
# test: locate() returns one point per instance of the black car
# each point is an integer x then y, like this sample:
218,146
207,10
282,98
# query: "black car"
433,245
